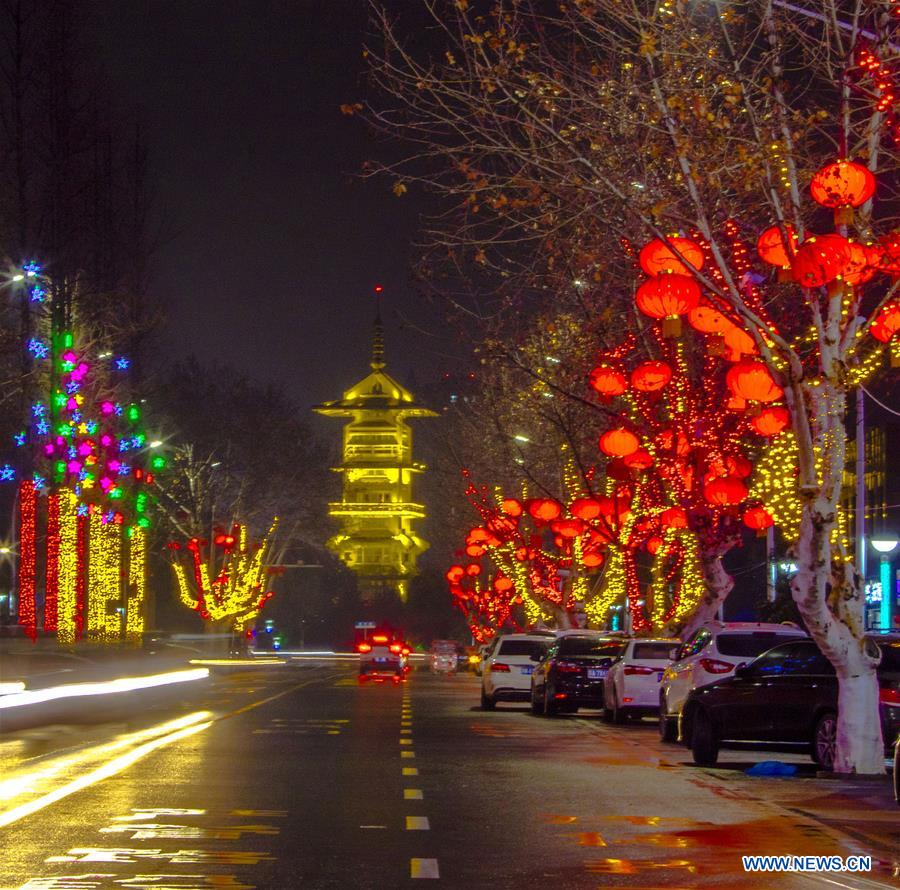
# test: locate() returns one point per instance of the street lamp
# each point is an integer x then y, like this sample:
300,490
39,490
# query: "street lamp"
885,545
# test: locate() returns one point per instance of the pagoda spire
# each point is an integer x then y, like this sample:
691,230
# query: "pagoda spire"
377,362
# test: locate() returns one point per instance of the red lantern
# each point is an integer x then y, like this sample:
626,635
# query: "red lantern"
674,517
708,320
887,322
820,259
478,535
473,569
668,297
591,559
739,343
511,507
888,253
608,381
619,442
842,186
455,574
585,508
502,584
653,545
668,440
738,465
650,376
657,257
544,509
725,491
750,379
771,421
859,268
759,519
638,460
773,249
567,528
475,550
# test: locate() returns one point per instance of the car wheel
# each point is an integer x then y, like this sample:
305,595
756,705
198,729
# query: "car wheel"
668,727
549,704
824,741
704,744
487,703
617,714
536,706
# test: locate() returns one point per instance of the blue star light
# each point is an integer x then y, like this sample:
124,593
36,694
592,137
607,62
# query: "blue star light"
38,348
82,509
7,473
122,363
42,428
19,439
124,470
39,481
38,409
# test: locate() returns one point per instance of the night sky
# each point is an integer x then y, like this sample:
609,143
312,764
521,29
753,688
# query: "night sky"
273,242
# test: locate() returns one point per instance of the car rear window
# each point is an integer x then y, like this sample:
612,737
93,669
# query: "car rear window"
655,651
590,646
749,645
522,647
890,657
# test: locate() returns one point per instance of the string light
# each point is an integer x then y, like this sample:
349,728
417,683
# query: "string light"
104,578
70,568
137,583
28,557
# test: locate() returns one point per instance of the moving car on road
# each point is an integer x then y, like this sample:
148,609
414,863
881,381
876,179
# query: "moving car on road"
631,688
786,697
712,653
382,657
571,673
508,663
444,656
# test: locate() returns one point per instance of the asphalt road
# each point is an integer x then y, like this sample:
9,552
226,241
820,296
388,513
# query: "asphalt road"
298,777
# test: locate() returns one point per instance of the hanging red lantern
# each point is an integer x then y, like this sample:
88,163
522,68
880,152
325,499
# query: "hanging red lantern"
887,322
668,297
608,381
669,440
592,559
738,465
750,379
475,550
503,584
455,574
674,517
657,257
585,508
473,569
738,342
771,421
511,507
638,460
820,259
708,320
567,528
544,509
888,253
842,186
653,544
759,519
725,491
859,269
774,249
650,376
478,535
619,442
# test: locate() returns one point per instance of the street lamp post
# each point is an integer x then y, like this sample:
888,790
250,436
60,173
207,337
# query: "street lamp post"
885,545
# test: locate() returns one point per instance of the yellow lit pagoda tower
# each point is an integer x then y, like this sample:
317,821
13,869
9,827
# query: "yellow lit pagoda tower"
377,511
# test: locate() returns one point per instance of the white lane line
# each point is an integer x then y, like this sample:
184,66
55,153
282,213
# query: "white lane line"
373,826
410,771
423,868
417,823
412,794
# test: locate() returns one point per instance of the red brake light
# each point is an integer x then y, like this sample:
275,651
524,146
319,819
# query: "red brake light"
405,650
364,647
395,648
714,666
568,667
500,668
640,670
379,638
888,696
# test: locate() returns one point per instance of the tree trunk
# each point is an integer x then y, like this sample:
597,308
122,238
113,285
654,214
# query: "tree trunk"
718,585
860,746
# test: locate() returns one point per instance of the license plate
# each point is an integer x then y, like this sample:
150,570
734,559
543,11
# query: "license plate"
527,670
596,673
381,660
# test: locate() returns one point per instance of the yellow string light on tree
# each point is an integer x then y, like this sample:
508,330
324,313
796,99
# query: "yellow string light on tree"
104,578
137,583
68,622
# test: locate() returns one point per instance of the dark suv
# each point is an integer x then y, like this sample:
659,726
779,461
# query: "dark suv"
571,673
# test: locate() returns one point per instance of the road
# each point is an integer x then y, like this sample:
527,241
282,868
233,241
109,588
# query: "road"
296,776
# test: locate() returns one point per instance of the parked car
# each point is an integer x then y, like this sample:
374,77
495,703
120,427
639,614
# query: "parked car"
712,653
787,696
571,673
508,663
631,688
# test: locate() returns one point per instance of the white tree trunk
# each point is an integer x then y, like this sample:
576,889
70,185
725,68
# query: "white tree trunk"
718,585
860,747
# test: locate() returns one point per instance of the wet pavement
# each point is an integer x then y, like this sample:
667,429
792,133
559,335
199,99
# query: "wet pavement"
299,777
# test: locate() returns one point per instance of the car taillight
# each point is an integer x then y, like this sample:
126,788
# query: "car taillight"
638,669
888,696
364,647
714,666
395,648
500,668
379,638
568,667
404,651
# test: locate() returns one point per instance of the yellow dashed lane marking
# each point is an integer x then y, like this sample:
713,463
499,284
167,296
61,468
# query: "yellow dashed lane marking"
410,771
412,794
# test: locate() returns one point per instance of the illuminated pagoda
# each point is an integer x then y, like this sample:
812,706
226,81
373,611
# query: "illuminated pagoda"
377,512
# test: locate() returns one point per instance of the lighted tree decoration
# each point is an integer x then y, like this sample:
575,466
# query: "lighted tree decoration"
226,583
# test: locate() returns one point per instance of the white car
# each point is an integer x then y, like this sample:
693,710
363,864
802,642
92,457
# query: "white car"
507,667
631,687
712,653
